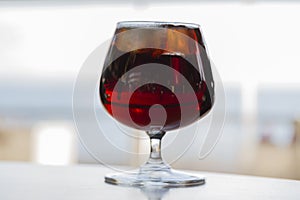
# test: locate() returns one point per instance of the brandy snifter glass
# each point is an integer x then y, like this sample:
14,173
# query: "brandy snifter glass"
156,77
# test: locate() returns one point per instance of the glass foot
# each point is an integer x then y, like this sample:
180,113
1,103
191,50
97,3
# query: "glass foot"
155,172
162,178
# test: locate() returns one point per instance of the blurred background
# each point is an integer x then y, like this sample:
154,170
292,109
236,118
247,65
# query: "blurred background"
254,44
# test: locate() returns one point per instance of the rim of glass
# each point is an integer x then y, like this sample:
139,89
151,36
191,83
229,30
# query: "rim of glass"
143,24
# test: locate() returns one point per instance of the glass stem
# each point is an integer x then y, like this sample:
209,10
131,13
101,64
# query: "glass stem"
155,152
155,161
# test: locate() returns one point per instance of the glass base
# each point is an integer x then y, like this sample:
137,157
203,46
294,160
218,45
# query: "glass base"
161,178
155,172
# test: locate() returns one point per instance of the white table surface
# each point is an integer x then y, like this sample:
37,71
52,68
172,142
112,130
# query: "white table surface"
35,182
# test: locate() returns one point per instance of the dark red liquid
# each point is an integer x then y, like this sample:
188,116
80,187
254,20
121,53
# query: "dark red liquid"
122,88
